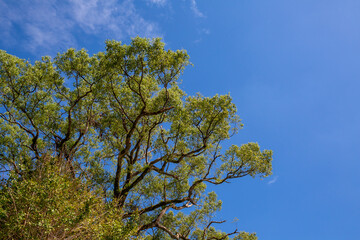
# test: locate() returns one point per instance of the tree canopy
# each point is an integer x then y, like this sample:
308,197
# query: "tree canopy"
109,147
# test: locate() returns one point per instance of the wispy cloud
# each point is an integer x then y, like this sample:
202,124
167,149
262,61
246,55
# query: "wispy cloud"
195,9
39,22
49,24
121,20
202,32
206,31
157,2
272,181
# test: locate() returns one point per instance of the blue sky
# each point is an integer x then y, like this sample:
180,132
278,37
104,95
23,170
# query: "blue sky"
292,68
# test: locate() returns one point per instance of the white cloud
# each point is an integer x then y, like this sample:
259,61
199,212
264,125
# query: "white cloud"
194,8
272,181
202,32
49,24
41,24
121,20
158,2
206,31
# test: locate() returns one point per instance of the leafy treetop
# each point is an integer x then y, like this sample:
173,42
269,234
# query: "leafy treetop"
118,124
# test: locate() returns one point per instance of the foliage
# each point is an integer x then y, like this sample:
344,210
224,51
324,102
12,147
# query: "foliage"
52,205
110,145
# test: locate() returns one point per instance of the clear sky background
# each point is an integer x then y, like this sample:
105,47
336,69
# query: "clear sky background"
292,68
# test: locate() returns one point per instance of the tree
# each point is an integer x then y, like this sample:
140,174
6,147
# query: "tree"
127,152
